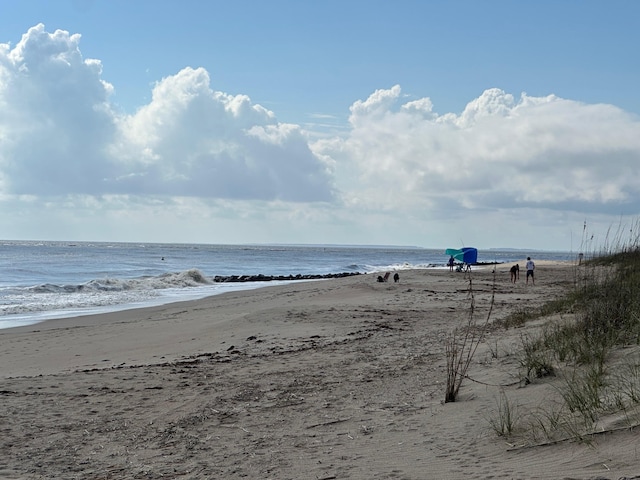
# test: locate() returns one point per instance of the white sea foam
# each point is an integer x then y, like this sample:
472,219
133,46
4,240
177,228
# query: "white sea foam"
26,309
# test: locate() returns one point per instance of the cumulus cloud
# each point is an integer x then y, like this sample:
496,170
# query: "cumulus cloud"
60,136
192,141
55,120
193,153
500,152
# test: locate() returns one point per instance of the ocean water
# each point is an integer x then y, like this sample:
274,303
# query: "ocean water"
45,280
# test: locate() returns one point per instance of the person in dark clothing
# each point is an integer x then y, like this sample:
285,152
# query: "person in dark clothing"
515,273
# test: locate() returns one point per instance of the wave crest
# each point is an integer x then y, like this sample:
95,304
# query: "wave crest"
188,278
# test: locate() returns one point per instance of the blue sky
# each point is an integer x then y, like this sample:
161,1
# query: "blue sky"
437,124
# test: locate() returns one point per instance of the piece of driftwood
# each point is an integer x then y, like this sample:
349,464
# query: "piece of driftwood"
340,420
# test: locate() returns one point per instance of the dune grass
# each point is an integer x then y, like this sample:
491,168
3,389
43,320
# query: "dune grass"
593,323
461,346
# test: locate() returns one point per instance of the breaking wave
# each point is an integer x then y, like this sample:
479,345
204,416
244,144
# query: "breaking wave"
188,278
106,292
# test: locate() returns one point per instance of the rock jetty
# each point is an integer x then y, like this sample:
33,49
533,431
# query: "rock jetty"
269,278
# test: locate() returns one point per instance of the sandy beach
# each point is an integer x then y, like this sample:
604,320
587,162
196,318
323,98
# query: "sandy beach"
331,379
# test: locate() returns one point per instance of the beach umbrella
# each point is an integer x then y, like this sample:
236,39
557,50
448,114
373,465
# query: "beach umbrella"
468,255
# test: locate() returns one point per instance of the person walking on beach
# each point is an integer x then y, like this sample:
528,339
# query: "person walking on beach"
530,268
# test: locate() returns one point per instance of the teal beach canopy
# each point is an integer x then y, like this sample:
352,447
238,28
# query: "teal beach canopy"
466,254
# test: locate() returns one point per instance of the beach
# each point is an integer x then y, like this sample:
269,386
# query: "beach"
329,379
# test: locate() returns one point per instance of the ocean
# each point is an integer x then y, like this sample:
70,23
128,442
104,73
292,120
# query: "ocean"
46,280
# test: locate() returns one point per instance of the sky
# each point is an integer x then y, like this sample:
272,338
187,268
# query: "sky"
492,124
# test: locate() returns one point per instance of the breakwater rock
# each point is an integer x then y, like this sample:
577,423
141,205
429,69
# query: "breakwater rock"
269,278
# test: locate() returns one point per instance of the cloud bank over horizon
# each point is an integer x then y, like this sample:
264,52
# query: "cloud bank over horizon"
500,152
197,164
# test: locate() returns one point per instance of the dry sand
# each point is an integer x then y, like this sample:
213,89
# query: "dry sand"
333,379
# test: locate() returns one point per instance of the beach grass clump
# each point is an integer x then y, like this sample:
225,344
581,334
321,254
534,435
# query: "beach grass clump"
461,346
521,316
570,343
535,359
627,377
517,318
507,420
583,393
546,422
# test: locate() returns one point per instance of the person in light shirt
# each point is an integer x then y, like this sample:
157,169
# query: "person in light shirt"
530,268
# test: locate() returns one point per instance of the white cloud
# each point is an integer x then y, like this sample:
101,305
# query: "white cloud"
498,153
59,136
192,141
55,120
196,164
